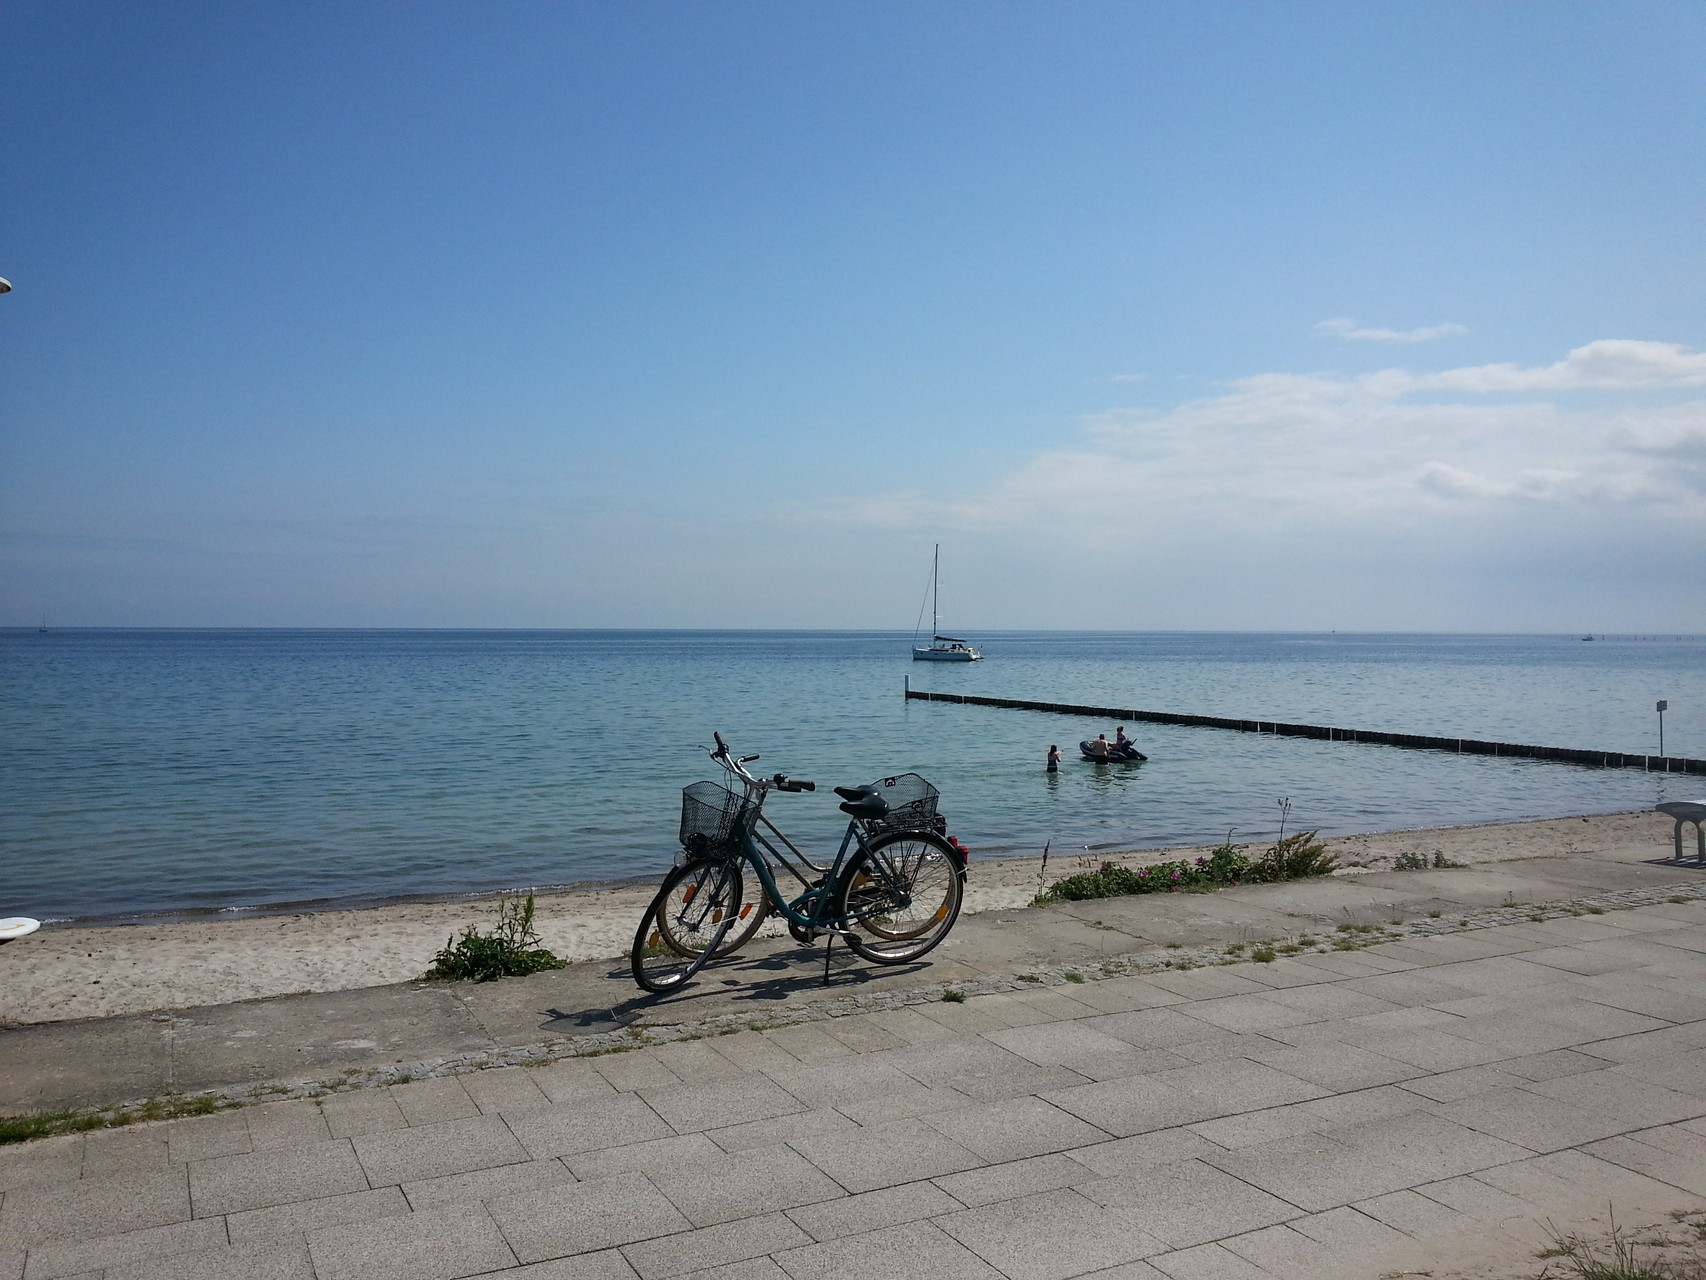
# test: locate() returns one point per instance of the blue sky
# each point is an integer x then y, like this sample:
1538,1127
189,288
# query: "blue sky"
1237,315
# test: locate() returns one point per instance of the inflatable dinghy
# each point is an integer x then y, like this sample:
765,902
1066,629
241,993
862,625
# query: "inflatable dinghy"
1116,754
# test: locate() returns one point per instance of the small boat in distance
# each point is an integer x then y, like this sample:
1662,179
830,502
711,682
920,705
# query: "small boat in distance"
941,648
1110,752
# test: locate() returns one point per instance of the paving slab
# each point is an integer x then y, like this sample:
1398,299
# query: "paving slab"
583,1217
231,1184
98,1206
1052,1235
887,1154
909,1249
92,1253
1189,1203
437,1150
285,1221
739,1184
436,1244
267,1260
117,1058
708,1248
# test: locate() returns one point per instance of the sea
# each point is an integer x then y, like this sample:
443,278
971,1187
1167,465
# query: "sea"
176,773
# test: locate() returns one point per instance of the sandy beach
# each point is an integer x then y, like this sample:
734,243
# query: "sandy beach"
89,972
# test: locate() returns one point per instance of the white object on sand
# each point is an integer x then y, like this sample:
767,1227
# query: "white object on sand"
17,927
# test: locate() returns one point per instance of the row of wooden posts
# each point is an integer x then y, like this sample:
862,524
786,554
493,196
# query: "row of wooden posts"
1415,741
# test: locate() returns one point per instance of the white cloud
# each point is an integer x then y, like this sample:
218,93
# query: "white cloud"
1344,454
1611,364
1346,328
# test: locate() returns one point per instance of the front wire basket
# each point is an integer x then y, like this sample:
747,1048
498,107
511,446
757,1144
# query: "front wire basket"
713,819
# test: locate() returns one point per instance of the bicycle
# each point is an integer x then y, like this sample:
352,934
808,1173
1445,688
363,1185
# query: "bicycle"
891,893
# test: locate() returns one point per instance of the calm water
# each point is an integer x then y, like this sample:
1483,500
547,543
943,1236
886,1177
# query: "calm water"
203,770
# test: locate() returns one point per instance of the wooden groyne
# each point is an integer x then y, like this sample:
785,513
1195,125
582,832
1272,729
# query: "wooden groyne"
1414,741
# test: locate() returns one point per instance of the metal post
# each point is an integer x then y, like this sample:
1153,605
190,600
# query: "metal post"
1662,708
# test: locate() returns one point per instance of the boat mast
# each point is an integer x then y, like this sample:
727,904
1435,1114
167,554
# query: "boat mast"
935,570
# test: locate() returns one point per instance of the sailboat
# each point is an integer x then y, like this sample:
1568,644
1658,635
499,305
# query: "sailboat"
941,648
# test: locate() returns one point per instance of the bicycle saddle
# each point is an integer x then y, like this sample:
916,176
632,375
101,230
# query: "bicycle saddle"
862,802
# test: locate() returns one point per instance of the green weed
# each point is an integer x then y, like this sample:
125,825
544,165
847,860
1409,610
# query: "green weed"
47,1124
510,950
1620,1255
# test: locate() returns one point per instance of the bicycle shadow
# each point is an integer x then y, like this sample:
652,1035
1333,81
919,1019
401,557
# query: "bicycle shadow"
738,981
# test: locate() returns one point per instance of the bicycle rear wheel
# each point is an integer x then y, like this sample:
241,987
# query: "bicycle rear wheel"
904,891
687,923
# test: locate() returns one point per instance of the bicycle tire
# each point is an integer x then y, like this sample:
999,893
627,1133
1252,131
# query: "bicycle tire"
927,869
748,920
754,911
686,925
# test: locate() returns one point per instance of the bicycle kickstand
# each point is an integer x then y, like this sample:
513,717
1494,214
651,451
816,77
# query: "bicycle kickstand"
828,942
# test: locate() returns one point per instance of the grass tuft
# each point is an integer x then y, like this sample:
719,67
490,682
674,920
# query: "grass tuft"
1620,1255
1292,858
511,950
48,1124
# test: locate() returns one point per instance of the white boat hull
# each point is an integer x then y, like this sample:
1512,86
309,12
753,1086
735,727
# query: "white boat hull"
946,655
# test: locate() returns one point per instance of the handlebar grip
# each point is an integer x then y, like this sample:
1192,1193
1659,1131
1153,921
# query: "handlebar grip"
803,785
746,760
722,747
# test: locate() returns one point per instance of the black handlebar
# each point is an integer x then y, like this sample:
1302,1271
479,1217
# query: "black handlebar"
782,782
722,747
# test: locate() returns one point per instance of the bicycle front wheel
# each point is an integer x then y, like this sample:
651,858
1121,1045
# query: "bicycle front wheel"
904,892
687,923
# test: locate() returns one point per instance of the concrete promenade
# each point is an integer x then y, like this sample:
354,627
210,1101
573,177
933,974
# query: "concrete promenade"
1425,1104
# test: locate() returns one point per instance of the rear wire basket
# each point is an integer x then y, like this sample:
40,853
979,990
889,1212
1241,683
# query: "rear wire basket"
712,820
912,805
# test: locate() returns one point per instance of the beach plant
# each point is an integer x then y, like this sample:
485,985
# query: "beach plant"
510,949
1620,1255
47,1124
1291,858
1294,857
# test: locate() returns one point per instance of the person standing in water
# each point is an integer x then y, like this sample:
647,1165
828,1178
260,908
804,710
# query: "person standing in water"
1053,759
